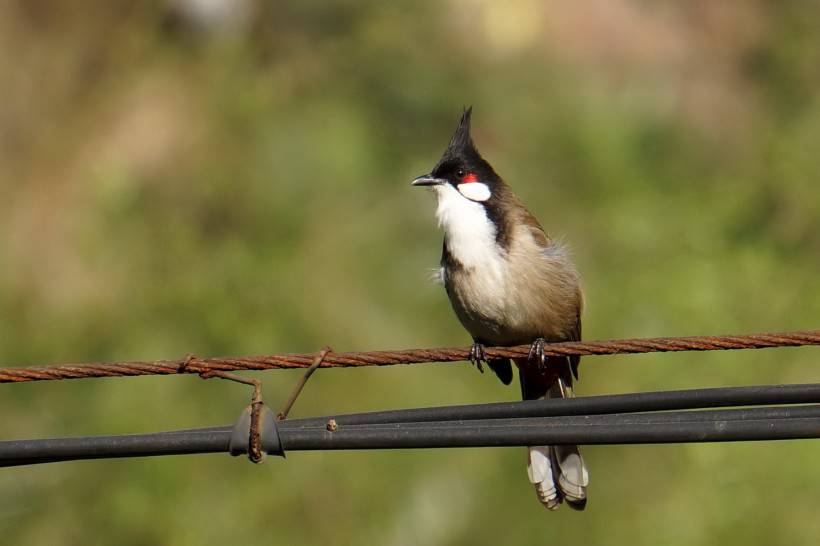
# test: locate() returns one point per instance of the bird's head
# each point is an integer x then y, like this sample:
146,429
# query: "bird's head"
462,169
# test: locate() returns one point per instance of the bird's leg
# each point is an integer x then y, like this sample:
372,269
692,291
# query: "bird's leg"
537,353
477,356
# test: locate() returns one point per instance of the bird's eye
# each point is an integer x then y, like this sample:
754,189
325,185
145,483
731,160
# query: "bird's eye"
460,173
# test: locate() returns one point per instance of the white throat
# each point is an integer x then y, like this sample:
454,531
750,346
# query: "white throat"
469,233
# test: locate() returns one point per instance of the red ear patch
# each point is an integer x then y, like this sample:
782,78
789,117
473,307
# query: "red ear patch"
469,177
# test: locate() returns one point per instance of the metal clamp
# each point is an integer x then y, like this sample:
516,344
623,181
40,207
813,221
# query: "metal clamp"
255,434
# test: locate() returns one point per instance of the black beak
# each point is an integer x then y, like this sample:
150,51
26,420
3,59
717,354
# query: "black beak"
427,180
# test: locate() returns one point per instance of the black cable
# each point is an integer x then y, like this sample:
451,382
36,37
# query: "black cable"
23,452
503,435
720,397
699,416
762,423
588,405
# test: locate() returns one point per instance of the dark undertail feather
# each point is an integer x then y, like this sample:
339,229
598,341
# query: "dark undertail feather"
502,368
535,384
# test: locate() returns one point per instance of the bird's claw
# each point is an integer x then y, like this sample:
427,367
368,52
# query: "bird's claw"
478,356
537,353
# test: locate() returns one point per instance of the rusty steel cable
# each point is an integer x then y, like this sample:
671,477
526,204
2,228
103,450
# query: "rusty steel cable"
195,365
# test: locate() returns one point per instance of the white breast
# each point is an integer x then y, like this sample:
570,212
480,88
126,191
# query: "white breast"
470,237
470,233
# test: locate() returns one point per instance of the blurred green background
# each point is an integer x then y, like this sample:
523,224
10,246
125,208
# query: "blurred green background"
217,178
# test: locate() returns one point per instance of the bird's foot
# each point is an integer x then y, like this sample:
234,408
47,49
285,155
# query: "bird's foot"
537,353
478,356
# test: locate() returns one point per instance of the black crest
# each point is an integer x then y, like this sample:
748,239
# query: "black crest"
462,141
461,153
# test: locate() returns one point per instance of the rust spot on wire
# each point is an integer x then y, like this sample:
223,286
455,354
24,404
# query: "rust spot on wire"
208,366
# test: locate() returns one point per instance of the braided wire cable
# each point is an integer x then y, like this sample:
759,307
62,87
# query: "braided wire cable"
195,365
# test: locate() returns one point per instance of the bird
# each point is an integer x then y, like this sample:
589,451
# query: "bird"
510,284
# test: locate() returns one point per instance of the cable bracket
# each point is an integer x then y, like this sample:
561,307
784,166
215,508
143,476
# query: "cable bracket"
255,434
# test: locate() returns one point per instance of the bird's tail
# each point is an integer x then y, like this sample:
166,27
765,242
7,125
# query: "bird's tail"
557,472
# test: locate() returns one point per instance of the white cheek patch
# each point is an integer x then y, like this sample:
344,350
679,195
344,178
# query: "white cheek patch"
475,191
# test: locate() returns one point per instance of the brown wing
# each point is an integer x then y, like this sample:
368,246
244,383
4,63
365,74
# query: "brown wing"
543,241
537,231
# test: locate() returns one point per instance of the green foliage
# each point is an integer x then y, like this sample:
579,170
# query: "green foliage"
174,188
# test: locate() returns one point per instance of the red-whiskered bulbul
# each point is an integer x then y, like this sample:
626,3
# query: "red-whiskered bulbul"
510,284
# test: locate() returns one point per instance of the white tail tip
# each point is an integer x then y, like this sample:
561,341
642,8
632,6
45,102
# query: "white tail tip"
539,470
